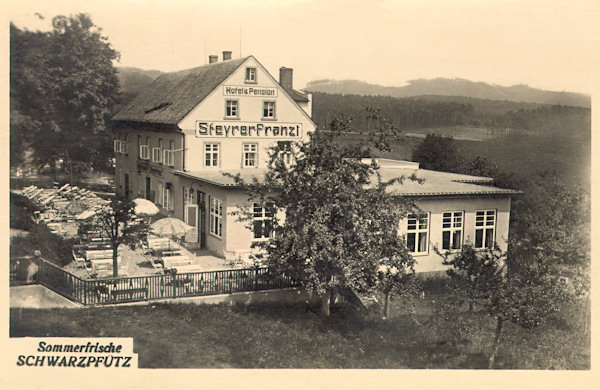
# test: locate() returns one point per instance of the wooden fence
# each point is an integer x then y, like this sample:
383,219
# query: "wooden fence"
146,288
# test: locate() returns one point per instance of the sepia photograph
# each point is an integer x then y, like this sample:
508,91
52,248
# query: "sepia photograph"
387,185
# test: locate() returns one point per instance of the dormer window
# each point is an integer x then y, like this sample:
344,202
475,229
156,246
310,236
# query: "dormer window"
250,75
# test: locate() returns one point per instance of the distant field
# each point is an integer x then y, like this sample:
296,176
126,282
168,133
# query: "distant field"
463,133
569,155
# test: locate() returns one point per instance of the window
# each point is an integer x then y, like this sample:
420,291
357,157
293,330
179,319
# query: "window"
211,155
161,191
231,109
452,227
144,151
285,152
251,75
139,146
262,221
250,155
120,146
157,152
140,186
156,155
188,196
168,198
216,216
165,196
485,224
169,154
269,110
417,231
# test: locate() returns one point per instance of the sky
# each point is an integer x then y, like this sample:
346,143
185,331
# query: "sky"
553,45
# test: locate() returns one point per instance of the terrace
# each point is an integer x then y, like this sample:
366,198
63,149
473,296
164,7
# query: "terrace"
67,210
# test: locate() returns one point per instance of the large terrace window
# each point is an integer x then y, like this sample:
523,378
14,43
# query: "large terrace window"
417,234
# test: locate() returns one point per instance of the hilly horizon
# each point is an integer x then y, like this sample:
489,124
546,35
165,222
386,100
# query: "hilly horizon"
452,87
133,80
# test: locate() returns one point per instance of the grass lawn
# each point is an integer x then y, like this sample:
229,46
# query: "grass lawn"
277,336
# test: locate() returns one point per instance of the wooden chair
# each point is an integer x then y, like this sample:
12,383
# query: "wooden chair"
157,265
79,260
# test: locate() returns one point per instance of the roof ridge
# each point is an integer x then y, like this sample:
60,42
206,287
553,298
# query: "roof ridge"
241,59
172,96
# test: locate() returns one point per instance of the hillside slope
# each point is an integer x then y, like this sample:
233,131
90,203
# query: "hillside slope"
452,87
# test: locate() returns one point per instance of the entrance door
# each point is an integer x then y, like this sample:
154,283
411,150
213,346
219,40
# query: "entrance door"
201,198
148,189
126,178
191,218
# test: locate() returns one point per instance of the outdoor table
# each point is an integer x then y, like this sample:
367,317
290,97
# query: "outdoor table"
170,253
97,246
98,254
98,264
174,261
188,268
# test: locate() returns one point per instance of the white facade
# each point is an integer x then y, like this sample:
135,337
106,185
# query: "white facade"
259,130
466,211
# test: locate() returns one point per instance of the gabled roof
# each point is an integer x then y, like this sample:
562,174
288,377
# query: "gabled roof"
172,96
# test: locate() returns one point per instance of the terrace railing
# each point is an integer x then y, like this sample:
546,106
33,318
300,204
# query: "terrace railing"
152,287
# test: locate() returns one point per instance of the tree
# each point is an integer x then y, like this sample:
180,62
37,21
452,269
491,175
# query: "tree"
119,223
396,276
525,298
550,229
548,258
437,153
340,221
481,166
26,89
63,86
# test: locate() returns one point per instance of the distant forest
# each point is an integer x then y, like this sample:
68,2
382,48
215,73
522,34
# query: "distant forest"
453,87
421,112
444,111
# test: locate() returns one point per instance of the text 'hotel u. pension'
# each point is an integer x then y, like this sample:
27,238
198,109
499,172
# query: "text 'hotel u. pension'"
175,140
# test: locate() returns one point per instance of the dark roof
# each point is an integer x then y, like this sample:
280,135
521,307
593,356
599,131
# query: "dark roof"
297,96
172,96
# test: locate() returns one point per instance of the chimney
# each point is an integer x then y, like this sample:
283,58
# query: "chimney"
212,59
286,76
226,55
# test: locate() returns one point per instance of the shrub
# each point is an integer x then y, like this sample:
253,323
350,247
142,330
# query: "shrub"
53,248
438,153
21,211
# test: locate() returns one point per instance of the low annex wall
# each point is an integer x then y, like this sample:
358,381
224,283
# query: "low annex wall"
283,296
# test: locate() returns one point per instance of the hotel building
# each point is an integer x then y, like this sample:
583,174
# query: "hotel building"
175,140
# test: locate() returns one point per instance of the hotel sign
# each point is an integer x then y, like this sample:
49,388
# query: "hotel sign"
227,129
237,90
